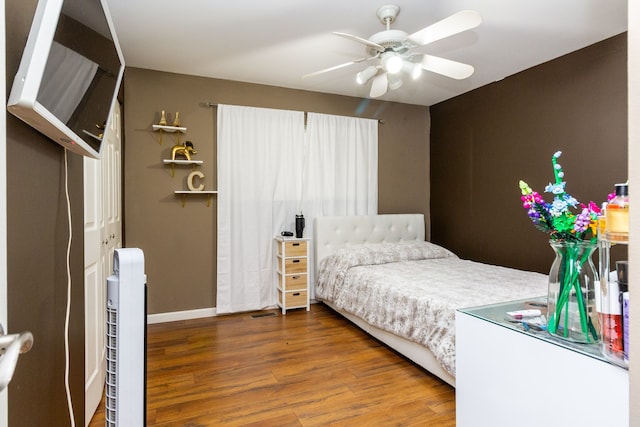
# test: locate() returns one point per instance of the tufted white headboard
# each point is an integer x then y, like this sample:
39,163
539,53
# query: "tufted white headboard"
331,233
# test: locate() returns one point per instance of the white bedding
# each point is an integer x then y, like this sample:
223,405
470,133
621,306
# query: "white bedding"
412,289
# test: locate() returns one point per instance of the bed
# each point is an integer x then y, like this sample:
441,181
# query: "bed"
378,272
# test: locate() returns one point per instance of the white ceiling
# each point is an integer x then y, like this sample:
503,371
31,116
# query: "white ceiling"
276,42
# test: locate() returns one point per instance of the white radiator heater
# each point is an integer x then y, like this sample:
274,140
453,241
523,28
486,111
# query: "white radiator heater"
126,340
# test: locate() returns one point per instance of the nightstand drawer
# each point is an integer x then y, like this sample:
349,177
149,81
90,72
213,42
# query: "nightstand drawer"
297,281
293,299
292,249
295,265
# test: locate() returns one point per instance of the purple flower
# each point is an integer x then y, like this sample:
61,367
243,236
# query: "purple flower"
582,221
534,215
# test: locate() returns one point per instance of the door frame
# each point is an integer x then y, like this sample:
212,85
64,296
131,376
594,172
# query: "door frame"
4,419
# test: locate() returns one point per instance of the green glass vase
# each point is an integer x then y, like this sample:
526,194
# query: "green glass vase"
571,304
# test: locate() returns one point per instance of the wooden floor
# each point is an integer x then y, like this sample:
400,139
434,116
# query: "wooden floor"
303,369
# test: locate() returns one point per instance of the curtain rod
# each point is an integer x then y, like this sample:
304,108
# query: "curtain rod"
210,104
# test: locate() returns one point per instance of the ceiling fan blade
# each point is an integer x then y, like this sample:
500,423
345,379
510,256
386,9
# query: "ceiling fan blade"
447,67
379,85
454,24
366,42
337,67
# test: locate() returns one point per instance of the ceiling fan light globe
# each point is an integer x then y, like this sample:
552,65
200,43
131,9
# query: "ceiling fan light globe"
365,75
393,64
395,82
414,69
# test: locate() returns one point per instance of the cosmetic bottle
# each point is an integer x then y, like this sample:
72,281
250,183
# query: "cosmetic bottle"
610,316
617,215
625,324
622,271
602,220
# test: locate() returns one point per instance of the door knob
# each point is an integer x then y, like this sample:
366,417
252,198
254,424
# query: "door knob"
11,346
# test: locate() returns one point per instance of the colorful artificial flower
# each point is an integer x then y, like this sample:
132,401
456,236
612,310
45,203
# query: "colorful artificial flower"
557,218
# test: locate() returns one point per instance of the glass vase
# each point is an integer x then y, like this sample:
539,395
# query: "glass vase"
571,311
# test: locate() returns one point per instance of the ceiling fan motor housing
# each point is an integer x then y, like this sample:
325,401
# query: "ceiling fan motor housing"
390,40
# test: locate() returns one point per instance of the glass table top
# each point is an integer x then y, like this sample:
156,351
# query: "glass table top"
496,313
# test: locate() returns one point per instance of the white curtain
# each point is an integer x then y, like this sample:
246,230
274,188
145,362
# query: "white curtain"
268,171
258,190
341,166
341,170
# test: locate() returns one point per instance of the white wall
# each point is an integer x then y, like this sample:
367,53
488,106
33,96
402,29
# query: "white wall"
634,178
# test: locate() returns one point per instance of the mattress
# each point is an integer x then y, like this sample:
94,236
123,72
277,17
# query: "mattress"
412,289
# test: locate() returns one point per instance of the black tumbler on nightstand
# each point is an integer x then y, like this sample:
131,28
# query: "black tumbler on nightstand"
299,226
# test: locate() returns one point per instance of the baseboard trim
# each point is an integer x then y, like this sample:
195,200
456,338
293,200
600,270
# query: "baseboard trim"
175,316
180,315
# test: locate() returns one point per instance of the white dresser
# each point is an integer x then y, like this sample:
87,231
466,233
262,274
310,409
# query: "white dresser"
506,376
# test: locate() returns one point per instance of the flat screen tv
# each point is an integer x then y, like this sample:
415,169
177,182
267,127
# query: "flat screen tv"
70,74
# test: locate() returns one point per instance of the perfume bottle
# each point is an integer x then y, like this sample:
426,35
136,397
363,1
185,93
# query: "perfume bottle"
602,220
617,215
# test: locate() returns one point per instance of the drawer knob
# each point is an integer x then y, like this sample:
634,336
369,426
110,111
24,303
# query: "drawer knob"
297,294
295,277
296,244
296,260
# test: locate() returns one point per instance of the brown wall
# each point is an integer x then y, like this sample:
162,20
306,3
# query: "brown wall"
484,142
37,243
180,243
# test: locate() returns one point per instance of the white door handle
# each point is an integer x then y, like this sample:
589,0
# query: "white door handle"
11,346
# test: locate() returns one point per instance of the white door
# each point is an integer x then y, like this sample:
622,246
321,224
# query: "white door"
112,186
102,234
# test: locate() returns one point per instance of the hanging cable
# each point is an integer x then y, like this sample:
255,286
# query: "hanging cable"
68,312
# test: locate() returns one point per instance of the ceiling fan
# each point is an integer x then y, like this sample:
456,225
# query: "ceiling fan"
392,49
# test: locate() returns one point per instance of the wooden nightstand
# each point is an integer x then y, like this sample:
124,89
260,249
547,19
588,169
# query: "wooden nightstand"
292,257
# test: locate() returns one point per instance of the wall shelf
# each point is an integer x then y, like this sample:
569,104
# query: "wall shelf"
182,162
169,129
185,193
173,163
